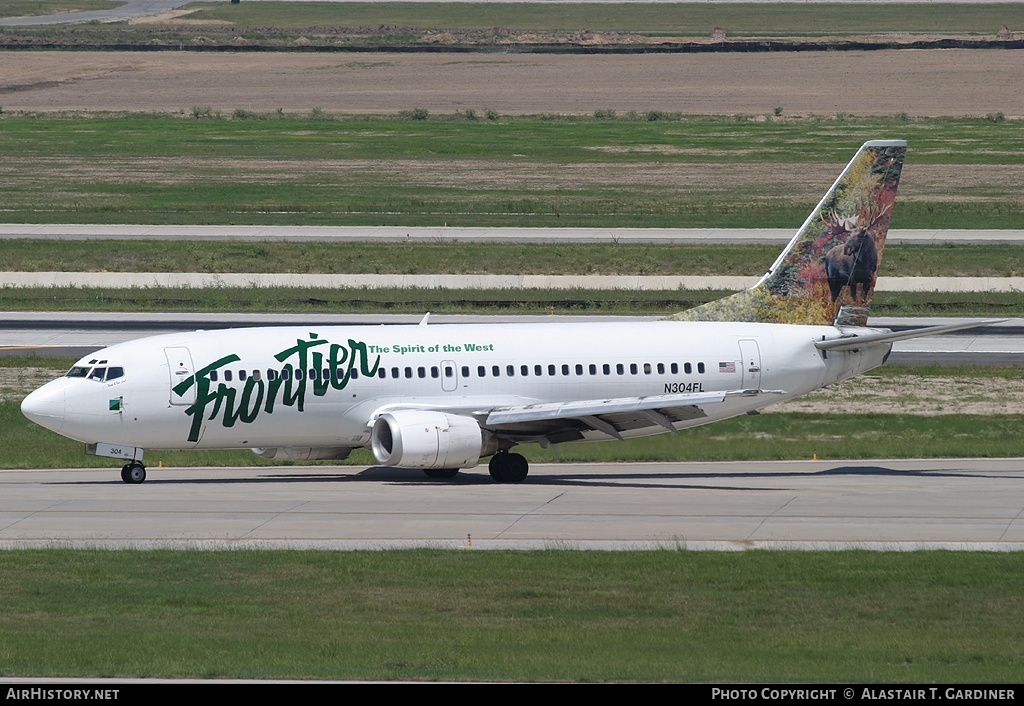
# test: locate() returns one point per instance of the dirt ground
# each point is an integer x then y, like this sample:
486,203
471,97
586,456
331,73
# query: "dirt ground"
916,82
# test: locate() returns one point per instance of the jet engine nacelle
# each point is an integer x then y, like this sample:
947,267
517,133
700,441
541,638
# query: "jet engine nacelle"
426,439
302,453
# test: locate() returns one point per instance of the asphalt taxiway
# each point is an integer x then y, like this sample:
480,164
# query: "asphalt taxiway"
969,504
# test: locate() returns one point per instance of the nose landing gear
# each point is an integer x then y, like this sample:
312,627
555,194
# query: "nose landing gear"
133,473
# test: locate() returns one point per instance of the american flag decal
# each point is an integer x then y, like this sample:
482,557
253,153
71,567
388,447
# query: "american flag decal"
728,367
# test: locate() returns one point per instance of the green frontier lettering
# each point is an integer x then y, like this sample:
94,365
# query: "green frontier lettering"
289,387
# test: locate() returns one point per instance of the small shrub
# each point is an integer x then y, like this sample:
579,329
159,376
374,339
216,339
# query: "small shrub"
414,114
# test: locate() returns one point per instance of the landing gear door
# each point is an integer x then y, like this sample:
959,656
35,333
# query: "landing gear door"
180,368
751,360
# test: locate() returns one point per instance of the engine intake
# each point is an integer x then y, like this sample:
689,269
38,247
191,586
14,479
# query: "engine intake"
427,439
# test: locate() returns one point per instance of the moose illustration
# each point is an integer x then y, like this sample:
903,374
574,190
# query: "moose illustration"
853,262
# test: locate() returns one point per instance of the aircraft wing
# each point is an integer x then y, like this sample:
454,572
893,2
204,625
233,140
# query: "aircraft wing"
566,421
873,339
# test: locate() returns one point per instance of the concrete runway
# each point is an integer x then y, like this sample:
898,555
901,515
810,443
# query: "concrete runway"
876,504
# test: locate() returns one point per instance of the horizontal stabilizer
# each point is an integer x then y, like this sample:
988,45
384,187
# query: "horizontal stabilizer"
849,343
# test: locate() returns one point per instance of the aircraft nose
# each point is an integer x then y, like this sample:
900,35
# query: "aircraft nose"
46,406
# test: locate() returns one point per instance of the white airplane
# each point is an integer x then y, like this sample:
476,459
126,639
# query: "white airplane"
441,397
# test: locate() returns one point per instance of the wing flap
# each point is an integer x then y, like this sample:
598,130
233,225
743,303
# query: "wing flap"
603,409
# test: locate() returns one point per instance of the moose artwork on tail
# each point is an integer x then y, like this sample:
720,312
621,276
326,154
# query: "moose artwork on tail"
826,275
853,263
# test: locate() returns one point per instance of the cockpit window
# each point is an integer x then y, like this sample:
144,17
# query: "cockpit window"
93,373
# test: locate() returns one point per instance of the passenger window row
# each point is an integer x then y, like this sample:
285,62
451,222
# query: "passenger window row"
95,370
285,374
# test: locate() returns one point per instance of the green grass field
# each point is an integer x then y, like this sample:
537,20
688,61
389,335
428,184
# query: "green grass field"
437,257
398,21
524,171
691,19
34,8
674,616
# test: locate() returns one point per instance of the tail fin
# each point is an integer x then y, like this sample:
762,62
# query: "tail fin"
826,275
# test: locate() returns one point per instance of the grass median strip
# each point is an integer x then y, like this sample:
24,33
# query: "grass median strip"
944,617
439,257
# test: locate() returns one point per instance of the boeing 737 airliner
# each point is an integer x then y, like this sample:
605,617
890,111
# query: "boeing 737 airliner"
441,397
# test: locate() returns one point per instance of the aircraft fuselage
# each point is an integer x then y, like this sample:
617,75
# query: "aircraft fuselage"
323,386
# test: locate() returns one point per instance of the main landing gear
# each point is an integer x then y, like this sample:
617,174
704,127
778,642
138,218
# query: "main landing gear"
506,467
133,473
